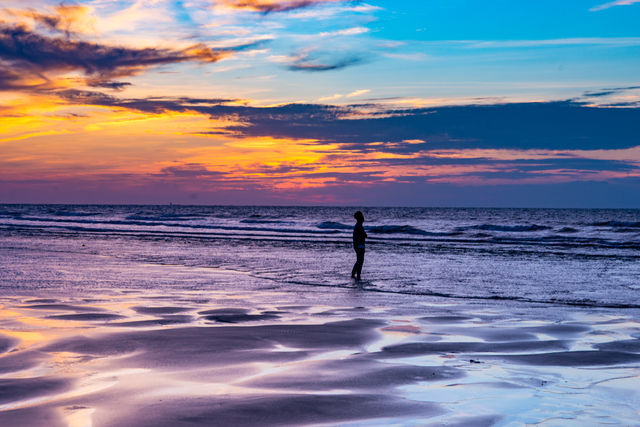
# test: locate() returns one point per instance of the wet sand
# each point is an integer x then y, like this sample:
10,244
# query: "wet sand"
265,357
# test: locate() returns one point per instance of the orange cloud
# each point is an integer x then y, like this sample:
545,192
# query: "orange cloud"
67,19
31,60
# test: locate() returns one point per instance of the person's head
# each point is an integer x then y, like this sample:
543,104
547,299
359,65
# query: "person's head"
358,216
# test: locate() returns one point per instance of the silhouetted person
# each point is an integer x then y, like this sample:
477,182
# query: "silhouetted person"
359,235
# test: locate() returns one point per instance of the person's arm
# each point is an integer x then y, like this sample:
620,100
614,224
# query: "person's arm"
362,235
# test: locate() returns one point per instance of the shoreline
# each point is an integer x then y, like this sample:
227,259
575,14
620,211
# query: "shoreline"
273,357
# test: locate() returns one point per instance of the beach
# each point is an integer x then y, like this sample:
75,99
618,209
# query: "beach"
307,358
101,329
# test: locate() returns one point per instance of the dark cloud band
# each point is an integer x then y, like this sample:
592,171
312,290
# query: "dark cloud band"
563,125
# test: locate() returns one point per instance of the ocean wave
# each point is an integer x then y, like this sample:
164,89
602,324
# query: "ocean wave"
616,224
510,228
331,225
332,239
162,217
385,229
559,242
73,214
196,227
626,230
264,221
10,214
568,230
270,215
407,229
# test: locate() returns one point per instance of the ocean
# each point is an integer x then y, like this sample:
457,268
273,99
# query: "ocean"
217,315
578,257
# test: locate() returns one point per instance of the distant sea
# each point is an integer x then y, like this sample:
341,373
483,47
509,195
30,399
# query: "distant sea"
562,257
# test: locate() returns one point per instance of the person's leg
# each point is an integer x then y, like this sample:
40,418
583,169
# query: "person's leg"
355,266
359,263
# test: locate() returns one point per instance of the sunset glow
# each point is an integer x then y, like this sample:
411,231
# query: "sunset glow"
327,101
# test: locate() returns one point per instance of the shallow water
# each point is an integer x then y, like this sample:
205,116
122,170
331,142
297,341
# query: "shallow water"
305,357
569,256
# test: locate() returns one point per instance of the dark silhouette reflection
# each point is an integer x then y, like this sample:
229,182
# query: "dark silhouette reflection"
359,236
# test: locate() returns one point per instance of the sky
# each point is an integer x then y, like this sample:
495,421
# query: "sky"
495,103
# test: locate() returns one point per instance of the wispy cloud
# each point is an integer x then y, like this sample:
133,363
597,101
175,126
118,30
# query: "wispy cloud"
346,32
610,91
269,6
613,4
357,93
154,105
323,61
333,97
628,96
108,84
333,10
337,96
190,170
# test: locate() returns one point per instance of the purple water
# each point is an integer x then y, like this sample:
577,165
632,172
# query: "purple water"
562,257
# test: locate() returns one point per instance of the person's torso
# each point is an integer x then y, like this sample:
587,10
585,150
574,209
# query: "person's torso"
359,236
